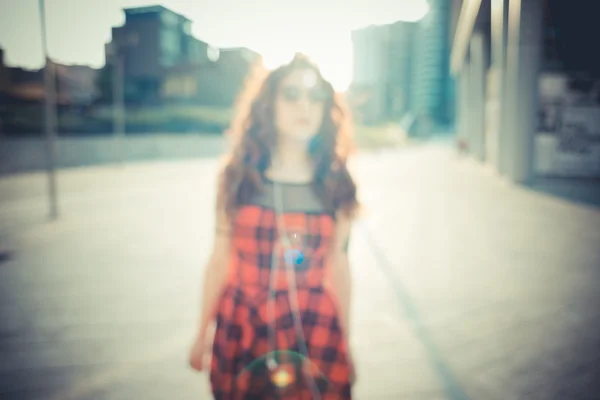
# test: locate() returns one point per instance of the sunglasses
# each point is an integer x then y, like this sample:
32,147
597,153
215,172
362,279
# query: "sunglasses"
293,94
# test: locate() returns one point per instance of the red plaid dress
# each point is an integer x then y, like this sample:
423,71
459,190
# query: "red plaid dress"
238,368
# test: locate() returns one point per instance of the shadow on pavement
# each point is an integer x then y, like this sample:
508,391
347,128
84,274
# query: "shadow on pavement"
451,385
581,191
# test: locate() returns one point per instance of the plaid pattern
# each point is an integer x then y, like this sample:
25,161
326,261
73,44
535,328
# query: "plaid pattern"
238,369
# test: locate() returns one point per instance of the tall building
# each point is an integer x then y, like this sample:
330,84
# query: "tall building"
370,49
370,77
152,40
401,72
163,62
431,74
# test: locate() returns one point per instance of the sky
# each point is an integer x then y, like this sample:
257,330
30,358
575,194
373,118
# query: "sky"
78,29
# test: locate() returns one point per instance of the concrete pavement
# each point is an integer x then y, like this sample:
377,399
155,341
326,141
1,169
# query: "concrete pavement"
499,282
466,287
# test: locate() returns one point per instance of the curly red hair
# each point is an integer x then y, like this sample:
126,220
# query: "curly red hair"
254,134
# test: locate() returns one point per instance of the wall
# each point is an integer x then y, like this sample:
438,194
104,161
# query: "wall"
140,42
25,155
210,83
567,142
552,162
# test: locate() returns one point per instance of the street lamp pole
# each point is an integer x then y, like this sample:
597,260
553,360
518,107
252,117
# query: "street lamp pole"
49,117
118,103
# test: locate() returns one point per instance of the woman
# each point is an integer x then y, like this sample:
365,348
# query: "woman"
278,283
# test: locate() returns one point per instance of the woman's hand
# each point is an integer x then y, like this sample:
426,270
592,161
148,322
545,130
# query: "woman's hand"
352,368
201,352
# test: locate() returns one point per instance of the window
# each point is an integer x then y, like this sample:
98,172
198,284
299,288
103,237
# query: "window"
169,19
180,86
170,41
170,46
187,27
213,53
133,39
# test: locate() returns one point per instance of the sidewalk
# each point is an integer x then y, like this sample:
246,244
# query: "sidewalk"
502,280
465,287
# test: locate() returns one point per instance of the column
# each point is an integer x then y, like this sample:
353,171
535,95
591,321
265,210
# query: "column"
499,37
523,63
463,106
478,98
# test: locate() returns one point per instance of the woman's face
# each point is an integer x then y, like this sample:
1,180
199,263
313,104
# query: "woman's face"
299,105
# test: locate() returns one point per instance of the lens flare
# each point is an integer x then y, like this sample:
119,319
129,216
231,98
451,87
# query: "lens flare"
282,377
287,372
310,79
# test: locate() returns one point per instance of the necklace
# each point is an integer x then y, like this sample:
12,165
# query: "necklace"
280,375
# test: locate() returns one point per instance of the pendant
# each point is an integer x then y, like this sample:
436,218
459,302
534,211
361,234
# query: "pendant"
293,245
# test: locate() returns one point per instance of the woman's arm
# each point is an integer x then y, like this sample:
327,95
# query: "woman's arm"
339,279
215,277
215,273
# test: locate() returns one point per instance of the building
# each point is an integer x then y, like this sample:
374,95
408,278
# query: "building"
4,87
401,72
152,40
77,84
431,99
22,93
24,84
370,76
163,62
383,69
4,81
214,83
400,52
528,86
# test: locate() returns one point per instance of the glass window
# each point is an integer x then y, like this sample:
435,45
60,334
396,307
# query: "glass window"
170,47
213,53
187,27
168,18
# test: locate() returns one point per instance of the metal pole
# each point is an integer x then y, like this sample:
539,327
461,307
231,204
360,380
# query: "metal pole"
49,118
118,105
